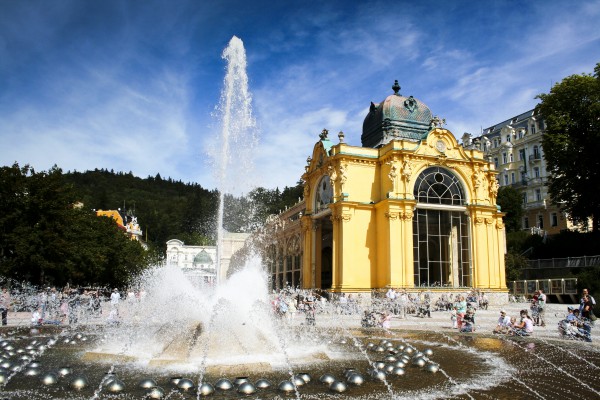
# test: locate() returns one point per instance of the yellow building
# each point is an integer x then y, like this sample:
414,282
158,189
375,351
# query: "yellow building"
126,223
410,208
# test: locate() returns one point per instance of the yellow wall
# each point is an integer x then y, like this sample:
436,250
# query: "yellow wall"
111,214
373,207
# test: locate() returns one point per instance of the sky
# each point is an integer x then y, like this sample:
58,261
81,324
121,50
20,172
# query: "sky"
134,86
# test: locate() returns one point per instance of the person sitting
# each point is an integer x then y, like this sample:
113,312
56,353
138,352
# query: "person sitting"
483,301
583,329
471,310
503,325
525,327
468,323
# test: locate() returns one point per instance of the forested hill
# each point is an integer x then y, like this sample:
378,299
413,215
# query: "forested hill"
168,209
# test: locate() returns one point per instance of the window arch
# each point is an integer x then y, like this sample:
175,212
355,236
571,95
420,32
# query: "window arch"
440,231
436,185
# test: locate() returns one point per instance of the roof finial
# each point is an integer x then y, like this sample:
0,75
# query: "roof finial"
396,88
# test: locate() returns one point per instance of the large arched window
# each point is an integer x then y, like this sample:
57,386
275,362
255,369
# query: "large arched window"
440,231
437,186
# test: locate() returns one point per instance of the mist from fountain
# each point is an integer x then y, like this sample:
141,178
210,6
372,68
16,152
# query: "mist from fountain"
237,133
231,324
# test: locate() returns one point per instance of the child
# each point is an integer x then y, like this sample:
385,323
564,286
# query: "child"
468,323
386,320
453,318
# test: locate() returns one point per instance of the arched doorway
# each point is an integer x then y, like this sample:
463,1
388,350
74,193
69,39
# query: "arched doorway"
440,231
324,233
326,254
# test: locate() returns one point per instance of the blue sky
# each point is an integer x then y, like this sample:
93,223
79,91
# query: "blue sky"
132,85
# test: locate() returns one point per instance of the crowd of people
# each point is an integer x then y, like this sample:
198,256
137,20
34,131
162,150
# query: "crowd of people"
398,304
577,323
51,306
75,305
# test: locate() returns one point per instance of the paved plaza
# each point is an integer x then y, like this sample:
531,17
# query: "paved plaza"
485,320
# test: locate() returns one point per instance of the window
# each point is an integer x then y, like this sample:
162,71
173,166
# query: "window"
536,152
440,237
438,186
526,223
495,142
525,198
508,138
512,178
538,195
504,158
541,221
505,179
532,128
496,162
521,154
536,172
554,219
511,158
521,133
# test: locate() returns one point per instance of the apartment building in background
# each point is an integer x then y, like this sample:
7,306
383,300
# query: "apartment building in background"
514,147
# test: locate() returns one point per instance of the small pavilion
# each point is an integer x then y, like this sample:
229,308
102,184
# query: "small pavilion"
409,208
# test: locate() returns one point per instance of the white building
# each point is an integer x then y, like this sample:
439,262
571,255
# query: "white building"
514,147
199,263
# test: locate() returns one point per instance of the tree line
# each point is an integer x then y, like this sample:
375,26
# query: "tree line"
50,233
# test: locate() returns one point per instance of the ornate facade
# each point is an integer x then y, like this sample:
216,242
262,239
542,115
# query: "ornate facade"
410,208
514,147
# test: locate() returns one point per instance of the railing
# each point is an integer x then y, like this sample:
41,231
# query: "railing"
569,262
549,286
535,157
534,204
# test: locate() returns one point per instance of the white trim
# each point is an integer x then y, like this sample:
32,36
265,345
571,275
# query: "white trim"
444,207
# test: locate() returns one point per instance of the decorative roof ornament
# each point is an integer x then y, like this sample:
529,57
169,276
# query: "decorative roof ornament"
396,117
410,104
341,136
396,88
437,122
323,134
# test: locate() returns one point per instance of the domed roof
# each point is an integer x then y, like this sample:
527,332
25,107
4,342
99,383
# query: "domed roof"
396,117
203,258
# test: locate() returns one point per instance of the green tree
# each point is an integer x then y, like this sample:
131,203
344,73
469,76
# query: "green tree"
510,201
46,239
571,112
514,264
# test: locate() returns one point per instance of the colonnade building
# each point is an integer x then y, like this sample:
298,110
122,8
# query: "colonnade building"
409,208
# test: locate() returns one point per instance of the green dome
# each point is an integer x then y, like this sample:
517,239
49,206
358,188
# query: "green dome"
203,258
396,117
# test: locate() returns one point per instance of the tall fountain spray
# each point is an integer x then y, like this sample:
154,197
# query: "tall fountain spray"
237,132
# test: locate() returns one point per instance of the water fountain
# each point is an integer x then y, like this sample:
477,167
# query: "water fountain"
182,342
